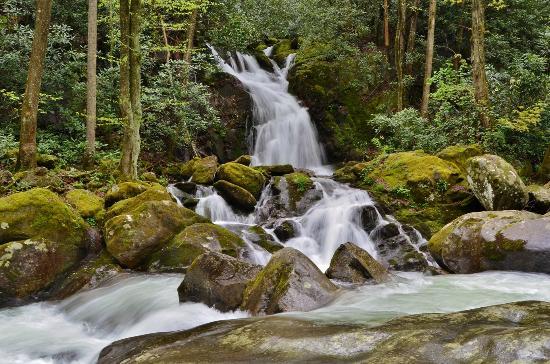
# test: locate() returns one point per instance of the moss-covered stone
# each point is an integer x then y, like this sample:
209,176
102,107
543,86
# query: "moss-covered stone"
236,196
283,49
257,235
459,154
87,203
352,264
245,160
493,240
204,170
40,177
276,170
132,237
127,205
46,160
193,241
242,176
123,191
289,282
298,185
496,184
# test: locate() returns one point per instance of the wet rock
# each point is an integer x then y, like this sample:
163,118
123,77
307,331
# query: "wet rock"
193,241
204,170
242,176
187,187
257,235
286,230
87,203
277,170
236,196
245,160
494,240
124,191
125,206
539,199
133,236
386,231
496,184
514,332
397,253
217,280
289,282
370,218
352,264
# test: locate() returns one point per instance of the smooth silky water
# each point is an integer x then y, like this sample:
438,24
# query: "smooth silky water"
76,329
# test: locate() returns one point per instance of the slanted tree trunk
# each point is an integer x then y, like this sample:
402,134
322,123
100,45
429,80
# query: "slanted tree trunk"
400,52
481,89
29,109
412,34
130,86
165,38
91,99
429,58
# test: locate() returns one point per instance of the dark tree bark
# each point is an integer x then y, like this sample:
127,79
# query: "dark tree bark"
386,25
481,89
91,99
400,51
29,109
429,58
411,42
130,86
191,35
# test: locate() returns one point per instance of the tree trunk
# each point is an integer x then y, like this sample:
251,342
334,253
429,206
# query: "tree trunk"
191,35
386,25
429,58
91,100
412,34
481,89
130,86
400,52
165,38
29,109
545,167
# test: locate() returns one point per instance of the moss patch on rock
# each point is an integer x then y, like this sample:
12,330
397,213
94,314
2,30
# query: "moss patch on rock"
248,178
87,203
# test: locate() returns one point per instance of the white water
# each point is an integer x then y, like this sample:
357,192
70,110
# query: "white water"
76,329
283,131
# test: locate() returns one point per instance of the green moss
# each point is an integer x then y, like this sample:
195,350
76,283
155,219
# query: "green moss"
204,170
245,177
125,190
298,184
87,203
127,205
459,154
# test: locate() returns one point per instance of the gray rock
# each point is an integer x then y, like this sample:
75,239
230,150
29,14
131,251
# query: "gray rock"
352,264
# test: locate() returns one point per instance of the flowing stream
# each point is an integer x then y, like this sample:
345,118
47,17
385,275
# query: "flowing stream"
76,329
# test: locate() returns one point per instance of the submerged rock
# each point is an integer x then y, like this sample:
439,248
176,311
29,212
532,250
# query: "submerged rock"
236,196
494,240
289,282
510,333
242,176
217,280
193,241
352,264
257,235
496,184
133,236
286,230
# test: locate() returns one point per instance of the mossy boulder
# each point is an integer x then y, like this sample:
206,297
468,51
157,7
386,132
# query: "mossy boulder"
289,282
286,230
257,235
459,154
539,199
40,213
276,170
88,204
496,184
133,236
516,332
245,160
494,240
294,194
194,240
123,191
236,196
419,189
46,160
127,205
352,264
217,280
242,176
204,170
39,177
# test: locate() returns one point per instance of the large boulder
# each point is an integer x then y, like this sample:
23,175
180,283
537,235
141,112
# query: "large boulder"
133,236
248,178
217,280
352,264
40,239
277,169
510,333
289,282
127,205
204,170
539,199
124,191
87,203
419,189
496,184
193,241
459,154
494,240
236,196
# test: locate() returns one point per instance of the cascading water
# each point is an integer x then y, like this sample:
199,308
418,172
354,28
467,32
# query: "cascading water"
284,133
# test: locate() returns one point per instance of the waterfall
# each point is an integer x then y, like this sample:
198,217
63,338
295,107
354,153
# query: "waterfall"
283,130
